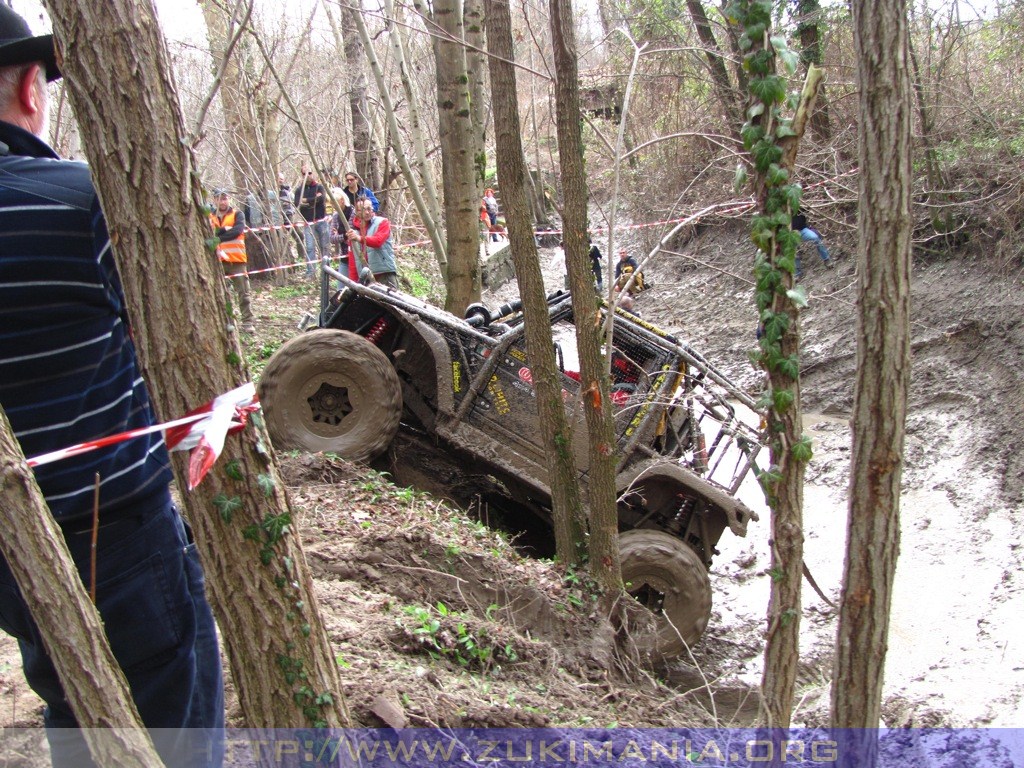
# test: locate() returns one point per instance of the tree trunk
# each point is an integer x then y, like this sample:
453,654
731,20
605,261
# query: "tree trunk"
807,27
603,545
122,92
727,97
461,202
72,630
476,65
567,508
389,111
242,135
366,156
424,176
883,363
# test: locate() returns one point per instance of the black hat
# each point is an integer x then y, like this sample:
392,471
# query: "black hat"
18,46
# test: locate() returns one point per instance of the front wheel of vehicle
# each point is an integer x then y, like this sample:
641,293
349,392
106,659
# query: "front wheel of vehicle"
667,577
329,390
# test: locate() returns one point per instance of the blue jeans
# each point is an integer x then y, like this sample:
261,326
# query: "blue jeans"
318,238
808,235
151,596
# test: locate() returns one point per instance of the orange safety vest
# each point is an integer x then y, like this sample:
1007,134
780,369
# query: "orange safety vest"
231,250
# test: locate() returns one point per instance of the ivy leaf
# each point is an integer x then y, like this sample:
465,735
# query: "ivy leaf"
765,153
790,58
782,400
212,243
798,295
740,179
777,175
769,89
803,450
789,366
784,130
751,134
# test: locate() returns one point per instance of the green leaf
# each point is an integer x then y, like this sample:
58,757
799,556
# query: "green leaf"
751,134
803,449
770,89
777,175
789,366
740,179
765,153
790,58
797,295
785,130
266,484
782,400
755,110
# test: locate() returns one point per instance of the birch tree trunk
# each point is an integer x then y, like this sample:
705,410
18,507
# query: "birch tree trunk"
476,68
121,88
461,202
603,544
72,630
433,228
240,103
883,364
424,175
567,507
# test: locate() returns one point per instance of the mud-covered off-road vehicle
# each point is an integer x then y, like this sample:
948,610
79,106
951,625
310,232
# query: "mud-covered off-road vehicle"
380,360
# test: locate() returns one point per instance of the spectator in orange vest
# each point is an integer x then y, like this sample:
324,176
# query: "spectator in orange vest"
229,228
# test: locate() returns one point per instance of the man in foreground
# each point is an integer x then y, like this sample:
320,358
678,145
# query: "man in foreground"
68,373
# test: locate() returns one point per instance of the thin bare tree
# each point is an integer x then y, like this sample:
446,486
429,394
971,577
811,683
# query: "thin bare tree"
123,93
883,366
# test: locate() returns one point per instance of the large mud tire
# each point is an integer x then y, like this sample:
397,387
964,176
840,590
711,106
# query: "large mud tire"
667,576
329,390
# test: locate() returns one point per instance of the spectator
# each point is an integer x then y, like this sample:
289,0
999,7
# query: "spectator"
491,206
284,195
310,199
68,373
374,233
595,266
809,234
353,191
229,229
625,268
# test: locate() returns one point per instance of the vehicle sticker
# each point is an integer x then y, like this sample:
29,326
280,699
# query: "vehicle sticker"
526,375
518,354
500,401
456,376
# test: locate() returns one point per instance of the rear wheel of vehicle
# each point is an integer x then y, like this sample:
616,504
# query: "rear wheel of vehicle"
666,576
329,390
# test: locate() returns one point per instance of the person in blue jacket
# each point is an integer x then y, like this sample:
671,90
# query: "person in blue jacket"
69,374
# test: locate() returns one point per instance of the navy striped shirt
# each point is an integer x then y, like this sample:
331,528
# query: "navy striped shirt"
68,371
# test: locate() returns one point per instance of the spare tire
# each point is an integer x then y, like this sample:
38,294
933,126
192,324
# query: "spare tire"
329,390
666,576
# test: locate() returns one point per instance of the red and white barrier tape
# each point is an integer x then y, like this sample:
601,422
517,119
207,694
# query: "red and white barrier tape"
201,430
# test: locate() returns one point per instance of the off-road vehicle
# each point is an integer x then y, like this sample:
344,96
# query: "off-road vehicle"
380,361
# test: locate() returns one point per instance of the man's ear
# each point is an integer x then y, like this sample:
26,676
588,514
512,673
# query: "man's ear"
32,102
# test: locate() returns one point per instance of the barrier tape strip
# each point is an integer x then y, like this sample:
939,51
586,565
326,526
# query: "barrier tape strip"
722,209
201,430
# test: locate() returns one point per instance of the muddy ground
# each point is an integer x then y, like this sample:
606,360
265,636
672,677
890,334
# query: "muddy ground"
387,565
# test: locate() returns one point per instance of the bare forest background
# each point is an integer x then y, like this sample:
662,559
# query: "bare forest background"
679,129
401,94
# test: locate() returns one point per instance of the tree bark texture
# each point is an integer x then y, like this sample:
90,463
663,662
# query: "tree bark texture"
366,156
603,544
476,67
242,135
461,201
422,206
808,29
727,97
119,78
421,183
883,361
567,506
33,545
